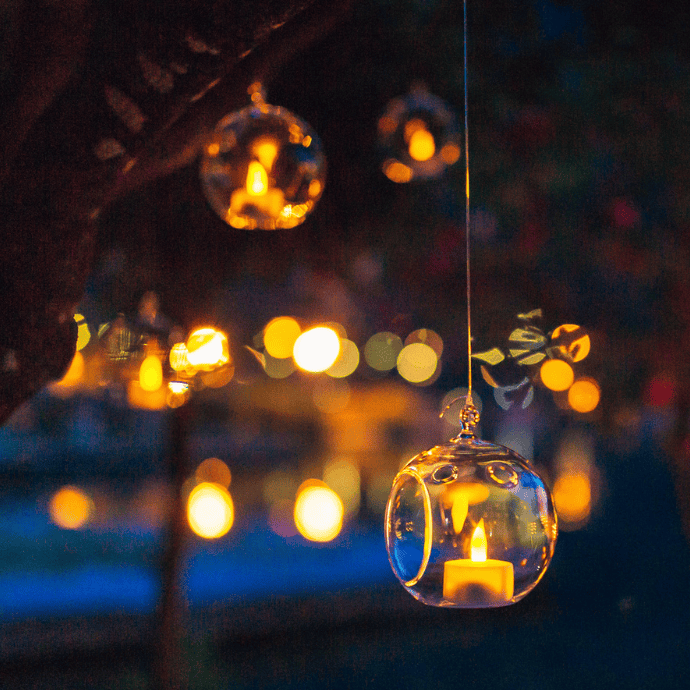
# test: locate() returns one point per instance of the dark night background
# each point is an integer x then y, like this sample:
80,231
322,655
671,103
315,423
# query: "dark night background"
579,116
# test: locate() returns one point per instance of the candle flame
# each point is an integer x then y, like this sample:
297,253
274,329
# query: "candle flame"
478,543
257,179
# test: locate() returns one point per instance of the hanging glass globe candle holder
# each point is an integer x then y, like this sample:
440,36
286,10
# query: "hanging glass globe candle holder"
469,524
418,134
263,168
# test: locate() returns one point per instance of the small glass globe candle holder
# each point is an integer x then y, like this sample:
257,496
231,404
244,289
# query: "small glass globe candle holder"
263,168
469,525
418,135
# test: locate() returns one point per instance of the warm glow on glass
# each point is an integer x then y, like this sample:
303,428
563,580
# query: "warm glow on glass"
178,357
70,507
422,146
478,543
572,495
347,361
578,349
584,395
318,512
417,362
151,374
316,349
257,179
207,349
210,511
75,372
266,151
215,471
556,374
280,335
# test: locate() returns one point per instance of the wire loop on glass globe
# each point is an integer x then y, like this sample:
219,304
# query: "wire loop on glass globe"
418,134
263,168
469,524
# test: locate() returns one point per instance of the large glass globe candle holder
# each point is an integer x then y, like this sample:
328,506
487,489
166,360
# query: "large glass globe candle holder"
469,525
263,168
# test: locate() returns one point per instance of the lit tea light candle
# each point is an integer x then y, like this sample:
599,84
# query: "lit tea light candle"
478,580
268,200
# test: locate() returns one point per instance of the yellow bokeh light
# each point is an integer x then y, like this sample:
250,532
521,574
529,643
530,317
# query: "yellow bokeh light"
314,188
213,149
428,337
151,374
347,361
70,507
257,179
210,511
396,171
83,332
215,471
417,362
74,373
280,335
343,477
316,349
381,351
584,395
422,146
450,153
572,496
557,375
579,348
318,512
207,348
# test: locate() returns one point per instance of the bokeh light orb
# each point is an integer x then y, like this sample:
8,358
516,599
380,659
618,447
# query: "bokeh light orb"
318,512
316,349
469,525
210,510
70,507
280,335
263,168
584,395
207,349
418,135
556,374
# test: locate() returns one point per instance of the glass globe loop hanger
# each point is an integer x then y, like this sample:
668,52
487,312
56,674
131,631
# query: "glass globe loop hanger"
469,524
263,167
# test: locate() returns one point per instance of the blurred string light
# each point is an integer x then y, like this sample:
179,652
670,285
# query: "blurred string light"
347,360
210,510
280,335
418,136
381,351
576,480
417,363
318,511
263,167
316,349
584,395
342,475
71,507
